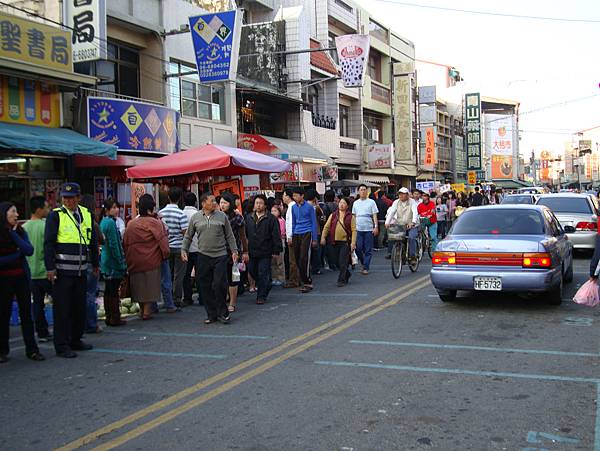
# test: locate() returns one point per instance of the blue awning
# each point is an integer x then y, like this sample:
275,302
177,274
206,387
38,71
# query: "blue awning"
61,141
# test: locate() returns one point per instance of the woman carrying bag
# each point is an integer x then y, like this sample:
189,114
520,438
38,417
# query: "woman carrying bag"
340,228
112,263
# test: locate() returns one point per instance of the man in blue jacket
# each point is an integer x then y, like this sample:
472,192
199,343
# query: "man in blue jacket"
304,238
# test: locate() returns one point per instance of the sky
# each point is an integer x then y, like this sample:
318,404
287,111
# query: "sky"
536,62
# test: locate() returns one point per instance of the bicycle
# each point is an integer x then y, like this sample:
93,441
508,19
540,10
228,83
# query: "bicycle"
398,234
424,238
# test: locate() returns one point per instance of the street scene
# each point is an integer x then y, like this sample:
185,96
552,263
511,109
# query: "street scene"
295,225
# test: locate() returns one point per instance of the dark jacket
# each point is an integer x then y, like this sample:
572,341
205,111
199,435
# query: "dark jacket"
14,247
477,200
264,236
595,258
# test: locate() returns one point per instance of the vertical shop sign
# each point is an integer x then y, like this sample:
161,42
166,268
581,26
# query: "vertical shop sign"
403,138
473,126
430,158
87,19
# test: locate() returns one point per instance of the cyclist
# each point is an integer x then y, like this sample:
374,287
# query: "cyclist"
426,211
404,212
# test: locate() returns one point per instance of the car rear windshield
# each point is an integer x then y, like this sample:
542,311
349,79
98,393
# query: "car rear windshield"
517,200
502,221
566,204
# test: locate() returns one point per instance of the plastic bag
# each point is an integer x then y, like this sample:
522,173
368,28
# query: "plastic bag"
354,258
235,273
588,294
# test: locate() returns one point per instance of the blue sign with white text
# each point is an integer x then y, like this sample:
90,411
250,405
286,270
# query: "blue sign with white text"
134,126
216,44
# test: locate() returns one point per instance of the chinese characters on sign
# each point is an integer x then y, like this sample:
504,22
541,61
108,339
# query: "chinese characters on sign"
472,177
29,102
135,126
381,156
429,159
353,53
403,139
35,43
216,39
499,141
473,131
87,18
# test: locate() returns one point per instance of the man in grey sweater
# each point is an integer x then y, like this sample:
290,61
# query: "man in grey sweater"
215,243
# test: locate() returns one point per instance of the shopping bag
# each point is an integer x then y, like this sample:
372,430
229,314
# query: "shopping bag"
588,294
354,258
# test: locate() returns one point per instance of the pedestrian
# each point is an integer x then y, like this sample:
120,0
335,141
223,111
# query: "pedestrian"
278,265
70,246
112,263
367,225
190,202
382,208
15,282
238,227
215,240
264,246
428,218
304,237
91,296
441,211
477,199
316,263
451,210
146,244
340,229
177,224
293,277
40,285
416,195
404,213
329,207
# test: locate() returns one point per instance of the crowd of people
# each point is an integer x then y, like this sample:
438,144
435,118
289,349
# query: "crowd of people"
218,245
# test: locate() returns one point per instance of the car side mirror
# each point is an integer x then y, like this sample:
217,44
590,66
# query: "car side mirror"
569,229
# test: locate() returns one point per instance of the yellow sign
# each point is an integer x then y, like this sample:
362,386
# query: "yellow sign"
472,177
458,187
132,119
35,43
29,102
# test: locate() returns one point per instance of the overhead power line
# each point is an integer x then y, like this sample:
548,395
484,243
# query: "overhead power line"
491,13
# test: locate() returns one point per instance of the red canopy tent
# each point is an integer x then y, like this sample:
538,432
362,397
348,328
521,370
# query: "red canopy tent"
209,159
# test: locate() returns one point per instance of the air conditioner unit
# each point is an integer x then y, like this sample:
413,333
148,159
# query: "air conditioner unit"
374,134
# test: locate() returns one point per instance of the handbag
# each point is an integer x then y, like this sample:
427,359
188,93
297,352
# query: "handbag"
588,294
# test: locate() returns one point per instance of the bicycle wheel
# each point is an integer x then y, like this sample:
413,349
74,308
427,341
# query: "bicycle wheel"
397,249
420,246
428,245
414,265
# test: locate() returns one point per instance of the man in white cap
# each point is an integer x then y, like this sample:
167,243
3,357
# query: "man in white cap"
403,212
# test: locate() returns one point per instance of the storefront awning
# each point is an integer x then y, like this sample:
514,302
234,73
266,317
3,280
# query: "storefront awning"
510,184
286,149
51,140
374,178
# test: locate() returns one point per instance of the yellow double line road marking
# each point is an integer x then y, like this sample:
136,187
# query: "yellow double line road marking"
371,308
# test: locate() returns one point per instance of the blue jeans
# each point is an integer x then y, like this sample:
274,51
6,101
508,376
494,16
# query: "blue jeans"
433,234
91,313
413,234
364,248
260,270
166,285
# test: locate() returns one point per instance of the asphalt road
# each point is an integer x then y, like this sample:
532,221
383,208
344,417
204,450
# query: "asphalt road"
381,364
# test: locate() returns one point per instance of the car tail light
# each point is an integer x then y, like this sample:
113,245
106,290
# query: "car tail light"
443,258
542,260
585,226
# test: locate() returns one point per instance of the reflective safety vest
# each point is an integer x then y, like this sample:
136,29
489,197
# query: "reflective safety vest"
72,241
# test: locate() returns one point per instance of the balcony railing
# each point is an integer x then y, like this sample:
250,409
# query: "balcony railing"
380,93
323,121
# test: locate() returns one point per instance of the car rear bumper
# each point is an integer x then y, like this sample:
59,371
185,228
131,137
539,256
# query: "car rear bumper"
583,240
513,279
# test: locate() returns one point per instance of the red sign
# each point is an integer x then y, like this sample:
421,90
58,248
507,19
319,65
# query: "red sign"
256,143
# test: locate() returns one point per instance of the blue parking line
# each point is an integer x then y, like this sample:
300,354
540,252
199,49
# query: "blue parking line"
475,348
159,354
188,335
461,372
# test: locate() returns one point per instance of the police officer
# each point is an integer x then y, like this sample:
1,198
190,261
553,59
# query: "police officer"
70,245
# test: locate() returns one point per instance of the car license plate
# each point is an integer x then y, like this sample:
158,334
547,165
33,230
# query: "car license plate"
488,283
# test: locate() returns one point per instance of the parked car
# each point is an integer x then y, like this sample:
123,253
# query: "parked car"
532,190
527,199
577,210
508,248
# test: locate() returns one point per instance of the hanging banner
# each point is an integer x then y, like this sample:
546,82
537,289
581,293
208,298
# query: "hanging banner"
353,54
429,159
473,126
135,126
502,167
381,156
458,187
87,19
29,102
499,134
216,39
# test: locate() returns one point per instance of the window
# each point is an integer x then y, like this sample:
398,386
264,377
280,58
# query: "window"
313,99
193,99
566,204
333,53
120,73
375,65
499,222
344,113
378,31
344,5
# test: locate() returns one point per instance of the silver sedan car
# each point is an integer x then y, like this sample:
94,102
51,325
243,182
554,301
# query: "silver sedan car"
577,210
509,248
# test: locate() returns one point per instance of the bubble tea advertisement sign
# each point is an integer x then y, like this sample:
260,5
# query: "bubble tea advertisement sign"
353,53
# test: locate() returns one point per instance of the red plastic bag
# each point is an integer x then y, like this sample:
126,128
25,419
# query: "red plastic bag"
588,294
